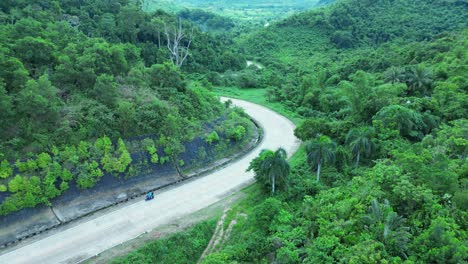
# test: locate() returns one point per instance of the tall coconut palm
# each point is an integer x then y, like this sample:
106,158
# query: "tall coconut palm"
270,166
360,141
319,152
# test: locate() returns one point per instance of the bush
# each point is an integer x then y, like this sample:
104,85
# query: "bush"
212,138
237,133
152,150
5,170
181,248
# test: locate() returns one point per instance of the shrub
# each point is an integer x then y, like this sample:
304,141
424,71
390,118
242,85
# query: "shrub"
212,138
43,160
237,133
5,170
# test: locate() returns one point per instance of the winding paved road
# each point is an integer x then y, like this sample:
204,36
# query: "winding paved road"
87,239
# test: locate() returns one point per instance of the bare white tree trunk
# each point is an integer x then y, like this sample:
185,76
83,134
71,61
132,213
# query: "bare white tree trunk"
175,38
318,172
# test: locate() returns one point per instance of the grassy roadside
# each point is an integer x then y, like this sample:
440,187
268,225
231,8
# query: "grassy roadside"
257,96
180,248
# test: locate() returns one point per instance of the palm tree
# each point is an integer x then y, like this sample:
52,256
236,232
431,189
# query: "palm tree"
320,151
270,166
419,78
388,227
360,141
394,75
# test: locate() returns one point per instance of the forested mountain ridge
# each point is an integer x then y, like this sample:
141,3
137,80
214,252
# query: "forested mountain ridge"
356,24
253,11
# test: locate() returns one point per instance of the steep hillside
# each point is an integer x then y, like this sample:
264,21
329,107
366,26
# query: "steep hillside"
351,25
89,88
257,11
382,178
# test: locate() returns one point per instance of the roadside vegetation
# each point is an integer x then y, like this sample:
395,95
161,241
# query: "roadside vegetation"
89,89
182,248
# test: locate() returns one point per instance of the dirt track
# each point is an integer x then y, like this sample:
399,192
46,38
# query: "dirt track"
87,239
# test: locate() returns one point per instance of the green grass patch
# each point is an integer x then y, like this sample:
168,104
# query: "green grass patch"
258,96
181,248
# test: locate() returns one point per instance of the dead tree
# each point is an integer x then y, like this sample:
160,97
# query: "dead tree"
178,42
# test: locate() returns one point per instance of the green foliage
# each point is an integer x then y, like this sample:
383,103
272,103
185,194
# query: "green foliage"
218,258
320,151
311,128
360,142
75,72
212,138
271,168
184,247
439,243
5,170
237,133
152,150
408,122
386,95
89,175
43,160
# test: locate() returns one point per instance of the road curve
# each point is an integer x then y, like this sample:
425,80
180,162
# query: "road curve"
87,239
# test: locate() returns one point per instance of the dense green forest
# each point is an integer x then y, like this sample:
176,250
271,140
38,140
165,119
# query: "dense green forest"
79,80
257,12
381,88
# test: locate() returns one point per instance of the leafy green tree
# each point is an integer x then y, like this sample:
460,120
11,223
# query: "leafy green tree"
89,174
440,244
452,101
5,107
126,117
165,75
124,159
105,90
152,150
311,128
174,132
407,121
271,166
15,184
213,137
13,73
35,52
320,151
360,94
5,170
43,160
237,133
103,145
360,142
